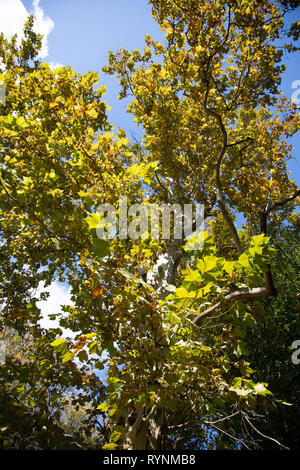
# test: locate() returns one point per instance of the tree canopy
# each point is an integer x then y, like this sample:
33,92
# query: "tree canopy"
172,344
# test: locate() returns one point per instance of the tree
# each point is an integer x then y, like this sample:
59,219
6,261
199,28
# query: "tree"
270,342
35,386
171,320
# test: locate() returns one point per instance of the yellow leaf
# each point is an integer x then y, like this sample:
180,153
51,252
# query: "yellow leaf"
92,113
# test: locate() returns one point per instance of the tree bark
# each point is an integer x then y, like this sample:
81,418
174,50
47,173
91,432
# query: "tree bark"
147,431
146,427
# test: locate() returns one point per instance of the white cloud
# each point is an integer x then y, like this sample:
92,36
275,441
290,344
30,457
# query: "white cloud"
13,15
59,295
54,65
43,25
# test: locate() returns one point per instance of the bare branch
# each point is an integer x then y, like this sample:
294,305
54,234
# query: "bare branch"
229,435
263,435
247,139
222,419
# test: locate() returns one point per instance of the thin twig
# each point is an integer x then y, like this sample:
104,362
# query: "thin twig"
263,435
222,419
229,435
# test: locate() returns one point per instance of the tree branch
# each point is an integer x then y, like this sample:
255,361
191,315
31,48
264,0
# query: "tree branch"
229,435
241,294
268,289
282,203
263,435
224,210
222,419
40,429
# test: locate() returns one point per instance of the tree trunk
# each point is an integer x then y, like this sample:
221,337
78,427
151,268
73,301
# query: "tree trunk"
146,428
147,431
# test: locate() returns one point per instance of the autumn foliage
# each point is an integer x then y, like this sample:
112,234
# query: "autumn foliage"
146,371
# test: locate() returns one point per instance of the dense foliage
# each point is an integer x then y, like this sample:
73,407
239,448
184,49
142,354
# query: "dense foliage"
195,354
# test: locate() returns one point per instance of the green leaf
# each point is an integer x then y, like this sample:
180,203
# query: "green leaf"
237,382
21,123
110,446
69,356
140,170
90,335
182,293
174,318
83,356
103,406
92,113
244,260
100,247
205,290
259,240
219,402
142,399
116,435
60,345
94,221
195,242
193,276
261,389
228,266
94,347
